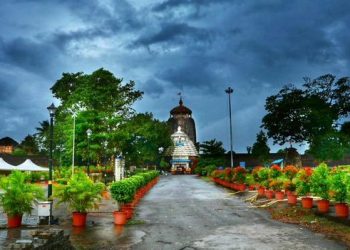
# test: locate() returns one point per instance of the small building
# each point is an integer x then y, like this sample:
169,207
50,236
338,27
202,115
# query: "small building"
184,155
7,145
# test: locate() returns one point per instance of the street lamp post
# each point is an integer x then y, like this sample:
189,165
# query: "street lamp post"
160,151
74,116
52,109
229,91
89,133
105,144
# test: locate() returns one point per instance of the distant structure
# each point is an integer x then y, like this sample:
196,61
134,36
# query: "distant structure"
184,155
182,116
7,145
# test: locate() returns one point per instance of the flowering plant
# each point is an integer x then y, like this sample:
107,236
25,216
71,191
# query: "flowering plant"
290,171
339,182
289,186
239,174
276,185
303,184
320,181
255,173
275,171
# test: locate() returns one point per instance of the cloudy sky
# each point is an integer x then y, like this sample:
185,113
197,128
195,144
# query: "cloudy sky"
197,47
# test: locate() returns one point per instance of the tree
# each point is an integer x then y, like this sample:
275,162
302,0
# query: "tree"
296,115
143,136
260,149
212,148
102,103
29,145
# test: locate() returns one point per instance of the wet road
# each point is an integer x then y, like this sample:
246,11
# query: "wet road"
185,212
181,212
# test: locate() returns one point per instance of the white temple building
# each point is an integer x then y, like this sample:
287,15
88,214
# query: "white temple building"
183,152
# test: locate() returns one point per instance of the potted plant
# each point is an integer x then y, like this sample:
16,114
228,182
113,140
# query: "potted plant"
339,192
263,176
320,186
303,187
277,185
290,171
18,197
249,180
289,187
123,192
239,176
82,194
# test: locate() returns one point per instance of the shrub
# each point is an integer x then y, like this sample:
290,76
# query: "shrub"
239,174
123,191
339,182
303,182
320,183
289,186
81,193
19,194
275,171
263,177
276,185
290,171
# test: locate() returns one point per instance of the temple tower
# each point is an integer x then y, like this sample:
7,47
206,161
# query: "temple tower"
181,116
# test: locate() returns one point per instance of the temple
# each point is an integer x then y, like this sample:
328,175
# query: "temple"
184,155
182,116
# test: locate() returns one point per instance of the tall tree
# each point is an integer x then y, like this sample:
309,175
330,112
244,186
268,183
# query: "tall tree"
212,148
310,114
260,149
102,104
29,145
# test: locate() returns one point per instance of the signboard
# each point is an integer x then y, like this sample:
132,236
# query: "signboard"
242,164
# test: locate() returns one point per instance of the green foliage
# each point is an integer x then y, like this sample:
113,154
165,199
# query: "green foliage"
19,152
263,176
18,194
308,114
81,193
249,179
260,149
303,183
29,145
102,103
339,182
123,191
212,148
320,183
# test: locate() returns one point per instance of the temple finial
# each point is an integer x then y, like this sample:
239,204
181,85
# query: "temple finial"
180,102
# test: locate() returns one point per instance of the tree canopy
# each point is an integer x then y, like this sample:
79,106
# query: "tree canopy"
260,149
310,114
212,148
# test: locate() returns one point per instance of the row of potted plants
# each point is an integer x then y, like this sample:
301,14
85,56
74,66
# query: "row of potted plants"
322,182
79,192
129,191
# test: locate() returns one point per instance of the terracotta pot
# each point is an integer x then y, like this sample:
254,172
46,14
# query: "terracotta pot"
269,194
241,187
14,221
106,195
79,219
307,202
129,210
261,191
251,187
292,199
279,195
323,206
119,218
341,210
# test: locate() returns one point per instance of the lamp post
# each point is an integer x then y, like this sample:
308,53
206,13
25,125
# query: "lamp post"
52,110
160,151
105,144
229,91
89,133
74,116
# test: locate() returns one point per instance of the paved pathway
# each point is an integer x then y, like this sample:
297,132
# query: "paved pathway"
185,212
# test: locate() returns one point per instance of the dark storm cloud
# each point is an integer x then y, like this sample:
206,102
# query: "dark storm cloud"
198,47
175,33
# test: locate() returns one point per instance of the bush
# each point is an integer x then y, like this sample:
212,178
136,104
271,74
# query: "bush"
18,194
81,193
339,182
290,171
320,183
303,182
239,174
